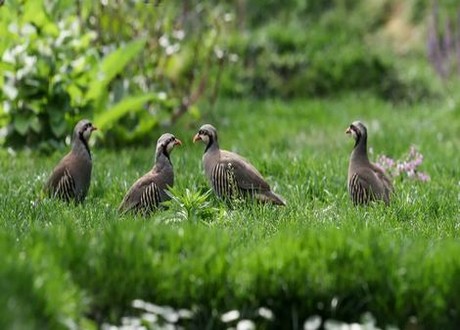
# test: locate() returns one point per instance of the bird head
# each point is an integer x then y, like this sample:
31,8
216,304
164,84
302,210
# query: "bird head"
207,133
83,129
356,130
167,142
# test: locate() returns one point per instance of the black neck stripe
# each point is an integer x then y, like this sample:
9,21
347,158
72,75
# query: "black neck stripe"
211,141
358,134
82,139
165,152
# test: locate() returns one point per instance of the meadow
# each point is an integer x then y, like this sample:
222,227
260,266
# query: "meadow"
66,266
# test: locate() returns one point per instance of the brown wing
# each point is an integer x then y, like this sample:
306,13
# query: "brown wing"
365,185
53,181
144,195
61,183
383,177
55,176
66,189
246,175
359,189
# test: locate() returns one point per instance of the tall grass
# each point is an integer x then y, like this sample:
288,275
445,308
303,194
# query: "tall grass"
65,265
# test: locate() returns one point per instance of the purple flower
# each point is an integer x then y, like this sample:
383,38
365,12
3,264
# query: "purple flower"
423,177
409,165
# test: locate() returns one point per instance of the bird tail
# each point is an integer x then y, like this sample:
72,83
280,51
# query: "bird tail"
270,197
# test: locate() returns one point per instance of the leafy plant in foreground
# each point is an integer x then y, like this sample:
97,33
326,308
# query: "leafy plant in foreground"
190,205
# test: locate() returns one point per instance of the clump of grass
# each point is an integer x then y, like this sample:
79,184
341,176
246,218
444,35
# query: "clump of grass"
190,206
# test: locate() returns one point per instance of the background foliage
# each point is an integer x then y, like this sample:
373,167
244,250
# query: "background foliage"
132,66
128,65
136,67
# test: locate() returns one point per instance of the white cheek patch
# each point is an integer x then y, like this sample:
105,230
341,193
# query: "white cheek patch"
353,133
205,138
87,133
170,147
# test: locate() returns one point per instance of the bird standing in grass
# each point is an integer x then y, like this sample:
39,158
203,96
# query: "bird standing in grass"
149,191
231,176
366,181
70,179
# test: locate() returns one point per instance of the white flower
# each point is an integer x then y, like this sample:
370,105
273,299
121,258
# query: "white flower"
228,17
172,49
162,96
178,34
233,58
218,52
164,41
230,316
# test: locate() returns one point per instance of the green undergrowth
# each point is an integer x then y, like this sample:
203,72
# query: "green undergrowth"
78,266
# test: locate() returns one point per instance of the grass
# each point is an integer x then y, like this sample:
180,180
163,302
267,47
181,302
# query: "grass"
66,265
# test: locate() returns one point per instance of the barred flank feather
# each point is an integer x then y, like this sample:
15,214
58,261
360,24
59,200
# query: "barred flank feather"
150,198
224,182
65,189
359,194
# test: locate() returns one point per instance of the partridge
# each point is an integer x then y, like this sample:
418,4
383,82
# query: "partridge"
146,194
70,179
232,176
366,181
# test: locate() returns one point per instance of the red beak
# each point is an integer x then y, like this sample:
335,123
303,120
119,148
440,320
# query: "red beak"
197,137
178,142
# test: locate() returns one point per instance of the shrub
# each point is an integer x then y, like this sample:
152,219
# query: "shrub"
45,81
299,60
135,66
55,73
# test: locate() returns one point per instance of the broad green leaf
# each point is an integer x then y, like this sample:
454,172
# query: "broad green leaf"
57,121
37,106
36,125
10,91
34,12
75,93
58,125
145,126
21,123
194,111
175,66
129,104
113,64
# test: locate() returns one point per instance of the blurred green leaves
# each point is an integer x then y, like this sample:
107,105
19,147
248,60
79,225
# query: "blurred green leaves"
130,104
44,79
69,61
111,66
52,79
66,60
